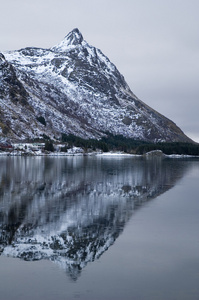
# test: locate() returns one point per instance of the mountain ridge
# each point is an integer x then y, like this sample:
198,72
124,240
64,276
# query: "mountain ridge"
77,90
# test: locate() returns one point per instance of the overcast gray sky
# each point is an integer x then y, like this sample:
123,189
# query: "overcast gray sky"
153,43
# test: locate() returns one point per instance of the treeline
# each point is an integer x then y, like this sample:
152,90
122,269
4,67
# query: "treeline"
128,145
72,140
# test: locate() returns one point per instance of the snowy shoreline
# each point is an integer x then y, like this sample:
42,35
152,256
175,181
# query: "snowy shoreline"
104,154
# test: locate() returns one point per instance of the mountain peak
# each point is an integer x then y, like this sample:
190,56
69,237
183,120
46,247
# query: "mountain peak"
2,57
73,38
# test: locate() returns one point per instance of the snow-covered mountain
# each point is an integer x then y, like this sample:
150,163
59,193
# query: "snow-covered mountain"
77,90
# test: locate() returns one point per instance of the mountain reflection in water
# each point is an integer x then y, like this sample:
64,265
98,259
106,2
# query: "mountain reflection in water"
72,209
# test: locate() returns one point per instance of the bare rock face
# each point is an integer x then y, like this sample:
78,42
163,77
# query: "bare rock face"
75,88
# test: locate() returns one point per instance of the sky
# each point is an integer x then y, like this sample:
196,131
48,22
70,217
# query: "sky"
153,43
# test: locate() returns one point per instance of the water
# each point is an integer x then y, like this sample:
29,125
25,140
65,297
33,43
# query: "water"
99,228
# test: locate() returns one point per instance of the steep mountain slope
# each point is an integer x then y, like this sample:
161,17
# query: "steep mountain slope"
77,90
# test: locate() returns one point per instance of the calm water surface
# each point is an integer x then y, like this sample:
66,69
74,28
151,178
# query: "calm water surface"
99,228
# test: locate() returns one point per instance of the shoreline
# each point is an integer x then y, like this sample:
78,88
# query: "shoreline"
105,154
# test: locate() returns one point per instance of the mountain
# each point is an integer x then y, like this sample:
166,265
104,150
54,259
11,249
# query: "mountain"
73,88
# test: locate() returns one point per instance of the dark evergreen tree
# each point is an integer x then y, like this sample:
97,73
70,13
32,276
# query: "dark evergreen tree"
49,146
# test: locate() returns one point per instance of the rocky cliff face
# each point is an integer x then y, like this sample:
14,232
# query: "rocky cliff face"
77,90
